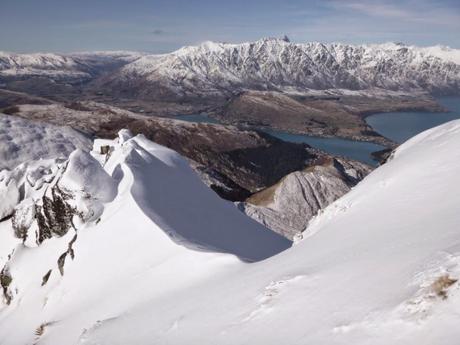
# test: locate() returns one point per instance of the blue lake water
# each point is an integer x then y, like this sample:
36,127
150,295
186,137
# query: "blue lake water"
360,151
400,126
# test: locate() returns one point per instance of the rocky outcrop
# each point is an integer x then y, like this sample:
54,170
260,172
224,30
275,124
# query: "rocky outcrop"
51,194
52,198
287,206
5,281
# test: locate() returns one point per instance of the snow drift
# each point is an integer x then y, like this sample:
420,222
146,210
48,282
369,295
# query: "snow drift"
23,140
378,266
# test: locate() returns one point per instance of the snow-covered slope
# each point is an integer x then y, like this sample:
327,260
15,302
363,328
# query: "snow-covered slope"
22,140
78,66
219,68
378,266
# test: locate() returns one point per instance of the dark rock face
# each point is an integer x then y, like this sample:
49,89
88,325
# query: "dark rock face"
383,155
55,216
5,281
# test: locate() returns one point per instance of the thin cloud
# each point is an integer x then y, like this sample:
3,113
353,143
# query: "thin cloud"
158,32
421,11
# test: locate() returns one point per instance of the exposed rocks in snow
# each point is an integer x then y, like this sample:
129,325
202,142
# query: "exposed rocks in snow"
383,156
70,252
288,206
52,195
54,215
442,284
5,281
46,277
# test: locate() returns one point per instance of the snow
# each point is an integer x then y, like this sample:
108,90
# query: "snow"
61,66
147,273
9,194
22,140
84,173
278,65
221,68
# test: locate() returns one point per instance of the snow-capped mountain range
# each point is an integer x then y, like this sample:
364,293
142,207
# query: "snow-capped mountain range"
83,66
216,68
274,64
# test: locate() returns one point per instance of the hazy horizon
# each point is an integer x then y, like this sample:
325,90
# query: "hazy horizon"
162,26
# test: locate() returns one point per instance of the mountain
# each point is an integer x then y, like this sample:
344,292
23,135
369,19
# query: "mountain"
78,66
151,255
220,69
288,206
58,76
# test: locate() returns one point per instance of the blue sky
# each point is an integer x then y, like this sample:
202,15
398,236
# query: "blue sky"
161,25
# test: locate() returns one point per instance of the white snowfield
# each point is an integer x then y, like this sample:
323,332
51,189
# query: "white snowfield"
23,140
370,269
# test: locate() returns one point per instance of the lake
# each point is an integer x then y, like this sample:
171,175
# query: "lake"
400,126
357,150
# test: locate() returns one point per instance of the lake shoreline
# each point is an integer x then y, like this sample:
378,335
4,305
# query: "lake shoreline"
383,144
342,117
402,125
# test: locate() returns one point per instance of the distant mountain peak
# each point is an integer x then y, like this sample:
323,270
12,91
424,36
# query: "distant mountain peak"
286,39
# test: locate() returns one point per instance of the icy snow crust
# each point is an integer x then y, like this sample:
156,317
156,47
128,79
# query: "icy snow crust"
362,274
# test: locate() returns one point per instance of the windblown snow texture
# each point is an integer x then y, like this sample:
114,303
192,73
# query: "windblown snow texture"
378,266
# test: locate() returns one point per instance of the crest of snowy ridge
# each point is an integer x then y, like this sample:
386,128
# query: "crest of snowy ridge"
48,197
